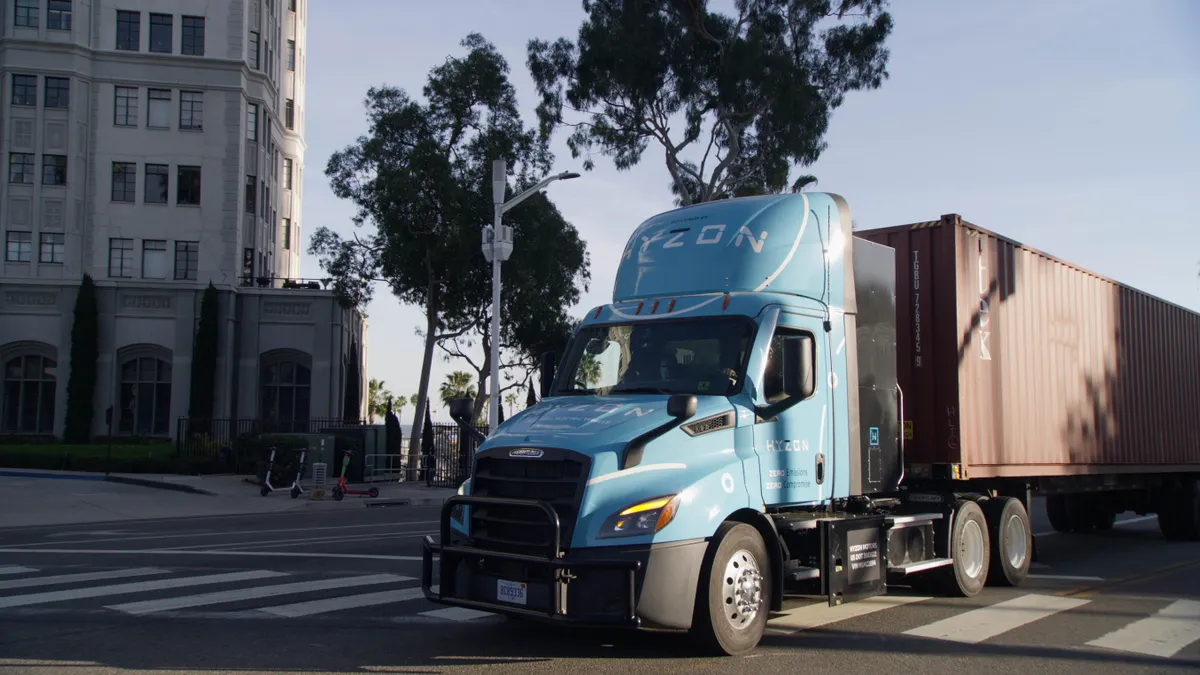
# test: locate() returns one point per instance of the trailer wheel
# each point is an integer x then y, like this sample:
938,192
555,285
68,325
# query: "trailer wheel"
1179,515
1011,541
1056,512
733,597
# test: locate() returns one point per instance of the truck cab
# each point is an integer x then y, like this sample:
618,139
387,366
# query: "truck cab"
726,430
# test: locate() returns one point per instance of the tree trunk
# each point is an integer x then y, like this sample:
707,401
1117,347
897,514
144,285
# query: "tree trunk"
414,441
485,372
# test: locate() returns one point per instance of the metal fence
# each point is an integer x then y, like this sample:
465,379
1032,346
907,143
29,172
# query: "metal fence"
448,462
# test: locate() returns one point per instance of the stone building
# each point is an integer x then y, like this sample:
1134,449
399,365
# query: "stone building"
158,146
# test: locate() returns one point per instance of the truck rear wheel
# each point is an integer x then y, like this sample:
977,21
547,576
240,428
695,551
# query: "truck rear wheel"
1056,513
970,548
733,598
1011,541
1179,512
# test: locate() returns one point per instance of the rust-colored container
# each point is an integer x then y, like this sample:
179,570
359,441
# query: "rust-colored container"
1014,363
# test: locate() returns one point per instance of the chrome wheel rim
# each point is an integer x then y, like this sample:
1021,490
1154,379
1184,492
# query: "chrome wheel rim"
970,549
1015,545
741,590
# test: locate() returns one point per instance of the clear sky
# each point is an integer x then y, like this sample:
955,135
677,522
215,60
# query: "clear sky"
1073,127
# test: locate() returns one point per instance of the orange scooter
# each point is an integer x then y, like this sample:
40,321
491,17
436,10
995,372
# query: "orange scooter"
341,489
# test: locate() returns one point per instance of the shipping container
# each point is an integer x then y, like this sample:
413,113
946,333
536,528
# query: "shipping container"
1016,364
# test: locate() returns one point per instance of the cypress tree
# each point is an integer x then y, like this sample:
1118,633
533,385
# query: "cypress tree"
352,402
204,363
85,351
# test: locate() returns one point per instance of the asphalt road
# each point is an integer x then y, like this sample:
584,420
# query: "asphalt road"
339,592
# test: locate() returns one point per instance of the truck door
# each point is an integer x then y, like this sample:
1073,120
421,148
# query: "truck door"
795,447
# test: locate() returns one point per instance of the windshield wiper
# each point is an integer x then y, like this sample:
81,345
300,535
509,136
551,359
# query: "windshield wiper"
639,390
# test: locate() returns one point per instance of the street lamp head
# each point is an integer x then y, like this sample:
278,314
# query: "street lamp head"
567,175
499,180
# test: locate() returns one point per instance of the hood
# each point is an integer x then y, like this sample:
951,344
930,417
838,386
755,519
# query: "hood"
588,423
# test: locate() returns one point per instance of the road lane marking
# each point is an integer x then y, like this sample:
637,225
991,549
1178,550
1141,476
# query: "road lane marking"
820,614
1063,577
15,569
344,602
139,587
229,533
29,582
456,613
248,554
1119,523
274,543
1174,627
981,624
236,595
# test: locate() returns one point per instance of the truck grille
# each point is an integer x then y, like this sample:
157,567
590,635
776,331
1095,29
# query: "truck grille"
557,479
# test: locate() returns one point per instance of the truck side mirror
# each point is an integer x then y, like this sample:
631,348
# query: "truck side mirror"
681,406
547,374
799,359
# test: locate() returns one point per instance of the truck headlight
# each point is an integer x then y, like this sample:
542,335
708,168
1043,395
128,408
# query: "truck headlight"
646,517
457,514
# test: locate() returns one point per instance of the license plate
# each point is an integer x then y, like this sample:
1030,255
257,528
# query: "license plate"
510,591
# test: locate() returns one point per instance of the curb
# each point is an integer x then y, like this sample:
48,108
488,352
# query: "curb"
140,482
406,501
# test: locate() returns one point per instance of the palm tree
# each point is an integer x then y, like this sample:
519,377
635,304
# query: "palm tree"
377,398
511,399
457,385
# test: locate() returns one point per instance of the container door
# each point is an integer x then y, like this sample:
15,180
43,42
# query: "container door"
794,446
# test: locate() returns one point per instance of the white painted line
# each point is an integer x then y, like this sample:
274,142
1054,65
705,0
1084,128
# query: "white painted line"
236,595
139,587
248,554
345,602
456,613
232,533
284,543
15,569
1063,577
29,582
1174,627
820,614
1119,523
981,624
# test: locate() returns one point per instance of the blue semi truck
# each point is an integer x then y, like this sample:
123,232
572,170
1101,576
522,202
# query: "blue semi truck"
726,431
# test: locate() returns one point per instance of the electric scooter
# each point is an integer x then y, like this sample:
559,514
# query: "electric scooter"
296,490
341,489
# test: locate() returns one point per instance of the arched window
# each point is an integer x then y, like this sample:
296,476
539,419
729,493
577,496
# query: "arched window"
145,392
30,383
285,386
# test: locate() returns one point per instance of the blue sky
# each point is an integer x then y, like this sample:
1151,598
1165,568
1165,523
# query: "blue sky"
1073,127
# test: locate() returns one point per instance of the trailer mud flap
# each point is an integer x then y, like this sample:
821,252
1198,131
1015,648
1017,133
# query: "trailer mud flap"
855,555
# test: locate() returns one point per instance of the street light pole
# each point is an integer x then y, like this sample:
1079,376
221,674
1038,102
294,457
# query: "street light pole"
497,247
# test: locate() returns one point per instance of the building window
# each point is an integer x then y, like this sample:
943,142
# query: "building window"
52,249
287,173
154,259
292,5
287,233
191,110
157,181
125,107
54,169
58,15
187,189
27,13
129,30
29,389
20,168
145,396
253,51
291,54
251,193
193,36
252,121
18,246
24,90
187,260
161,38
120,258
158,108
58,92
284,392
289,114
124,182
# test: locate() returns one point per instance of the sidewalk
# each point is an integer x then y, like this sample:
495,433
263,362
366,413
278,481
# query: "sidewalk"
65,497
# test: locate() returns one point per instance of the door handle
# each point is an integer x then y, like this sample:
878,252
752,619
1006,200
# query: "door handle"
820,468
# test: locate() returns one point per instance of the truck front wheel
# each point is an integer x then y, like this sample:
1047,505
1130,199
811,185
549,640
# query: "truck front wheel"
733,597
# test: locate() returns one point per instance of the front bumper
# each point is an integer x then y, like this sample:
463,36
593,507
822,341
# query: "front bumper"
648,586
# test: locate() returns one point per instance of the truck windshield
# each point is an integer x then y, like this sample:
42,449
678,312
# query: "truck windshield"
703,356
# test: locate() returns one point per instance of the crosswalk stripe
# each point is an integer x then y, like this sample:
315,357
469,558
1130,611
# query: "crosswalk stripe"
456,613
29,582
1174,627
182,602
139,587
344,602
820,614
13,569
981,624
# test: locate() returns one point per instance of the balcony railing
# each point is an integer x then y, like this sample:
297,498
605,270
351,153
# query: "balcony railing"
260,281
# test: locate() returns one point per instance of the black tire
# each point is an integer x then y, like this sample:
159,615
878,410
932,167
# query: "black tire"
373,492
1011,538
338,494
1104,517
264,491
1185,510
295,492
1081,513
958,579
712,620
1056,512
1168,514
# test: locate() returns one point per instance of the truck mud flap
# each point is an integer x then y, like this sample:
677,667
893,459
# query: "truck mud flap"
855,558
